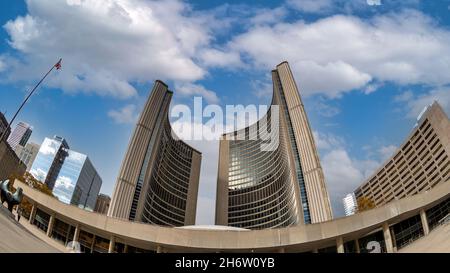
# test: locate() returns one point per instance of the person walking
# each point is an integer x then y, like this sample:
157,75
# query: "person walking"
19,213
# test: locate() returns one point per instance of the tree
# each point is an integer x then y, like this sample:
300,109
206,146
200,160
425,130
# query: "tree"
29,179
365,203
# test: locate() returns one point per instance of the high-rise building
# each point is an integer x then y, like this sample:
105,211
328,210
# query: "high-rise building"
421,162
257,188
49,161
4,127
158,179
20,135
102,204
350,204
70,175
27,154
78,182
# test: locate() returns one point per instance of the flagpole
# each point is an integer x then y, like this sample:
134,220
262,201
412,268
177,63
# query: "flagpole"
57,65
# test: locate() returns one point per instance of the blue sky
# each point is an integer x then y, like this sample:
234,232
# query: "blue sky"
364,71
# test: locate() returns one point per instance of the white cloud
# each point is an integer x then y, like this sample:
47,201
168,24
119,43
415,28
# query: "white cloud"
340,77
269,16
206,210
386,152
370,88
344,173
218,58
2,64
64,182
345,6
208,172
49,147
351,53
340,170
367,167
76,157
327,141
125,115
415,103
341,176
325,110
106,45
404,97
190,89
39,174
262,89
208,180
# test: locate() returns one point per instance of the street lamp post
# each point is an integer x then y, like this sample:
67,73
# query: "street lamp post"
57,66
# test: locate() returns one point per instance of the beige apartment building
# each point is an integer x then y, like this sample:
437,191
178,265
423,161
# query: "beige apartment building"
102,203
282,186
421,163
10,164
159,176
27,153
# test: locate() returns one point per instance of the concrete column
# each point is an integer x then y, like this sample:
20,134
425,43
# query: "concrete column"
315,250
68,232
159,249
394,242
387,238
358,250
423,218
32,213
93,244
76,233
50,225
112,244
340,245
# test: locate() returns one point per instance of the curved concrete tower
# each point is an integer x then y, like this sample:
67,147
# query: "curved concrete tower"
259,188
158,179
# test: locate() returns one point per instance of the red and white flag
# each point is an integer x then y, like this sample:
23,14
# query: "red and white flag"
58,64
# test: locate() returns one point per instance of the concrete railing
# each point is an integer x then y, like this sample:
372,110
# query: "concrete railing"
295,238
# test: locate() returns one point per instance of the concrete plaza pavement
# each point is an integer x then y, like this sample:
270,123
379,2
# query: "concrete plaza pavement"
15,238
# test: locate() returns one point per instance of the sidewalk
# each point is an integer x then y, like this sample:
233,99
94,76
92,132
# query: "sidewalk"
16,238
40,234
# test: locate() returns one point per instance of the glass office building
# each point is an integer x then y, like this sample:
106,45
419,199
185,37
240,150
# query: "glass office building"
49,160
70,175
350,204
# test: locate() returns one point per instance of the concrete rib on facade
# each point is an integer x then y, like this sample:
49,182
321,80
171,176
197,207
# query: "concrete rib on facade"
259,189
421,162
159,176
